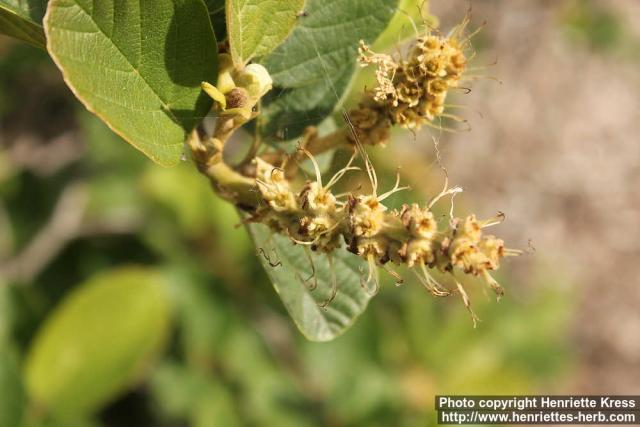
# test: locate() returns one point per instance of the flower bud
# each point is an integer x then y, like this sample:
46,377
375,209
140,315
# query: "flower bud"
255,79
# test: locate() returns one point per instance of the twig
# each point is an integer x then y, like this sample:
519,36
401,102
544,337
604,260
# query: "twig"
63,226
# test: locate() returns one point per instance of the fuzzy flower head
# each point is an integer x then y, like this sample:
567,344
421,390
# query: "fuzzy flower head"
273,187
366,215
410,91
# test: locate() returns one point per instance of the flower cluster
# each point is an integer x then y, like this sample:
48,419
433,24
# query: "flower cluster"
313,216
411,91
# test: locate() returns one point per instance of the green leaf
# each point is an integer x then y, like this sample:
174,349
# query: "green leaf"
98,341
184,393
12,402
256,27
312,69
137,65
22,19
315,323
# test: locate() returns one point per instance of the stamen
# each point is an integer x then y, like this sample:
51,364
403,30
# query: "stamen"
334,180
512,252
467,303
424,282
499,290
301,242
313,270
348,193
334,284
452,206
448,129
395,188
458,29
498,219
274,170
373,178
473,78
372,277
466,90
316,168
452,190
268,259
438,289
399,279
468,38
413,23
453,117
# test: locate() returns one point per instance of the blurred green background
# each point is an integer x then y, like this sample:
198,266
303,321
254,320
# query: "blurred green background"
128,296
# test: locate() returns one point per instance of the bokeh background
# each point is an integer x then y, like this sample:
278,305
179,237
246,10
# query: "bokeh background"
554,145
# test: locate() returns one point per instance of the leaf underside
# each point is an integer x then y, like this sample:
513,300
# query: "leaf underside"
313,68
291,280
137,65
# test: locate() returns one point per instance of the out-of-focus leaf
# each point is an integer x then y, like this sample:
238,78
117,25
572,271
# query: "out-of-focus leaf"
184,394
315,323
175,389
312,69
256,27
204,321
271,397
137,69
215,408
12,399
595,25
22,19
196,210
98,341
214,333
351,393
6,313
85,422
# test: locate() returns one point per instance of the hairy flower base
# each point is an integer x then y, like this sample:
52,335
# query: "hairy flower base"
316,218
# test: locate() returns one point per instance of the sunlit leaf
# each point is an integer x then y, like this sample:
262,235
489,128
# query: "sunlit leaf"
12,400
134,65
256,27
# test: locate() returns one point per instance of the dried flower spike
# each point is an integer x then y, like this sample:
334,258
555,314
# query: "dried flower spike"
410,92
316,218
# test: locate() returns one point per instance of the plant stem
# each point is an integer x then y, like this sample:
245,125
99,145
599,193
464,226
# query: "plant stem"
227,183
336,139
